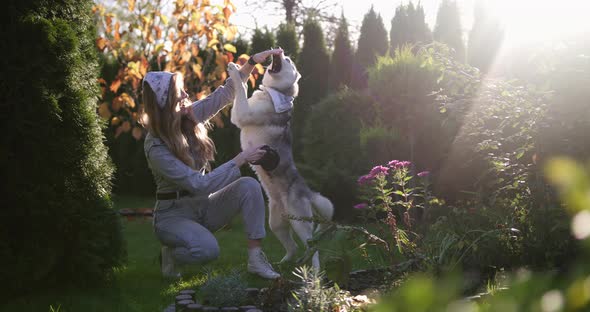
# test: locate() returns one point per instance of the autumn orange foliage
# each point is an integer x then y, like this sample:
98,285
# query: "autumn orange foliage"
145,35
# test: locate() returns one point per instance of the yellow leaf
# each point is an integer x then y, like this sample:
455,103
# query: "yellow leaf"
115,85
212,43
128,100
104,111
117,33
186,56
131,4
115,121
117,103
230,48
101,43
164,19
194,49
158,48
259,68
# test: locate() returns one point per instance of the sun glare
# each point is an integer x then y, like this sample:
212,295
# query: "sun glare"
536,20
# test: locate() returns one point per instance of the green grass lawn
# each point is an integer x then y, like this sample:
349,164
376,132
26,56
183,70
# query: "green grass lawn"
138,285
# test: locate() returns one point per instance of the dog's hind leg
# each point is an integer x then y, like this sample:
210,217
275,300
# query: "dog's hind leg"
279,225
301,208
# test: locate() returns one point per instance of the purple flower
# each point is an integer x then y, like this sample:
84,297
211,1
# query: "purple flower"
405,163
396,164
361,206
378,170
393,163
424,174
365,179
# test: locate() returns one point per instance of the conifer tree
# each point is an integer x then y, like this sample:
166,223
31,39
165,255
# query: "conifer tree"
261,40
448,28
372,43
485,38
314,65
408,26
57,225
242,46
287,39
372,40
342,57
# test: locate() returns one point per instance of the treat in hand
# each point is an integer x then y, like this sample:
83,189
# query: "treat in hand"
270,160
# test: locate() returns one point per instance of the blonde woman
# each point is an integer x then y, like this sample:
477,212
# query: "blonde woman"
192,201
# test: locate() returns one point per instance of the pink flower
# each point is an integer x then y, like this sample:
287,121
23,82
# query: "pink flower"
424,174
361,206
405,163
393,163
364,179
396,164
378,170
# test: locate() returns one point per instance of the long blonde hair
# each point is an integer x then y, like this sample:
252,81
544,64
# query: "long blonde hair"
187,139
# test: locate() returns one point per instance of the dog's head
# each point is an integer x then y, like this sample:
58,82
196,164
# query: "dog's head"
282,75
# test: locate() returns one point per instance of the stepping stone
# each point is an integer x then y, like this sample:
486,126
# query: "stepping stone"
247,308
183,297
209,309
196,307
187,292
182,304
230,309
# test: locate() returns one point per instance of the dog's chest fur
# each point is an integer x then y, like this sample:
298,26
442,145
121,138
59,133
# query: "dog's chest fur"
269,126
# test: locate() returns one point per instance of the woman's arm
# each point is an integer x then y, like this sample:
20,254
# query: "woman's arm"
208,107
162,161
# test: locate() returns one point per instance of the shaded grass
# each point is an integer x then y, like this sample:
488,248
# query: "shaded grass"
138,286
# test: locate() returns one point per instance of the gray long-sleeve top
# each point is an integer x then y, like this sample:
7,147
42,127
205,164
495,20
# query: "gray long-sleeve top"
171,174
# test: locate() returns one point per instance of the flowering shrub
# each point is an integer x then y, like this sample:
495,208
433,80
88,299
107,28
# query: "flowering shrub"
391,193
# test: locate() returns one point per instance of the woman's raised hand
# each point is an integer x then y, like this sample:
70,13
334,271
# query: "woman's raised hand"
262,56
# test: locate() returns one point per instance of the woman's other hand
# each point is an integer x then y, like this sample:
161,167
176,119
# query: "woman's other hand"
249,155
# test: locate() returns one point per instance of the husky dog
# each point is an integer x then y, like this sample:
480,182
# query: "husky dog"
264,120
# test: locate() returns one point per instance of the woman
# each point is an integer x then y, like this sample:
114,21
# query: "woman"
191,203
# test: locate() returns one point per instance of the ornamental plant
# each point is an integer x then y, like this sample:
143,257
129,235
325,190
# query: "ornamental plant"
392,194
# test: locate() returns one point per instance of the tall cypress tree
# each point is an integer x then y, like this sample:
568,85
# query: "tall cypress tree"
242,46
372,39
261,40
57,224
485,38
448,28
408,26
342,57
287,39
314,65
372,42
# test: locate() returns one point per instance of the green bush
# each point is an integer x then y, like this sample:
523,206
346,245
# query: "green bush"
57,221
225,291
403,88
332,153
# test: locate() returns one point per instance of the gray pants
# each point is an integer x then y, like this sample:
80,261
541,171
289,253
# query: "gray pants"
186,224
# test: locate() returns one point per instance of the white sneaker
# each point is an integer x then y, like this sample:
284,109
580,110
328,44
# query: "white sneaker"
167,263
258,264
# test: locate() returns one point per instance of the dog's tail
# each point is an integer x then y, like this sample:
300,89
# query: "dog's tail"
322,206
